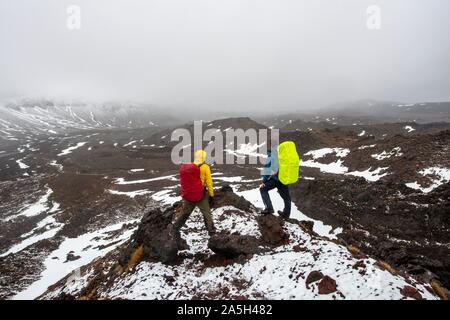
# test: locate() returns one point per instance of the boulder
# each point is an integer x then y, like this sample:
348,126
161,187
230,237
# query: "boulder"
327,285
313,276
411,292
156,236
271,228
234,245
226,197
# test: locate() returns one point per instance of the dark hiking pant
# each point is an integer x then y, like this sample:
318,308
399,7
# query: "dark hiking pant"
283,190
188,207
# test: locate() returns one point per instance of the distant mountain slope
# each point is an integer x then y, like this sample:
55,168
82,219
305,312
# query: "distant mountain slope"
420,112
362,112
43,117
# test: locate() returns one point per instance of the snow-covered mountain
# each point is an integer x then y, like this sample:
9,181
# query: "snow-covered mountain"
27,117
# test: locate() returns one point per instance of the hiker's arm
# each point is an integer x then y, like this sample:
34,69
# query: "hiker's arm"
209,183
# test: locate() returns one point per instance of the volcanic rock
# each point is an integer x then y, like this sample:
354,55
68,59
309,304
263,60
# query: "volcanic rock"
313,277
411,292
327,285
233,245
271,228
156,236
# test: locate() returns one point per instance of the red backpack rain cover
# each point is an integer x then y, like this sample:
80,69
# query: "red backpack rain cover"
191,186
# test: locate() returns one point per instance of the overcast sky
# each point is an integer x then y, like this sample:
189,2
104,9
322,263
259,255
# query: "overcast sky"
226,53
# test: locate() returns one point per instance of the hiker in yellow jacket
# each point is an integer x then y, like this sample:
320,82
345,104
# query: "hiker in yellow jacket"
205,172
204,204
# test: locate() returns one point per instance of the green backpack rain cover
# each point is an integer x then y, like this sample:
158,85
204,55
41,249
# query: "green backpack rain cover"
288,163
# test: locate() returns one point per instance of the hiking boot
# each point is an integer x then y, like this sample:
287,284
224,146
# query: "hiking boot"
267,211
283,215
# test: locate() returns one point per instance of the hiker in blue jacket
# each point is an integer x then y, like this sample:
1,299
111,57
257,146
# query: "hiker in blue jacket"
270,181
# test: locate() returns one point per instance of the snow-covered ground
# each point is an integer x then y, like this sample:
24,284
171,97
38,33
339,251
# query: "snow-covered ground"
40,206
337,167
279,274
87,247
51,227
437,175
320,228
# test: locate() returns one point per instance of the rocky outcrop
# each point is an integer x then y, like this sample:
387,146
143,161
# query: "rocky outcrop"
159,244
226,197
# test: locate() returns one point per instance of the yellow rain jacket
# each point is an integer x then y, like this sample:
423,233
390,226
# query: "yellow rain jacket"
205,171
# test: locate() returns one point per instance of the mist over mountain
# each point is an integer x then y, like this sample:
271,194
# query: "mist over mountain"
231,55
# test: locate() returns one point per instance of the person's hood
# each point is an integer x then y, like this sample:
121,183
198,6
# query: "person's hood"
200,157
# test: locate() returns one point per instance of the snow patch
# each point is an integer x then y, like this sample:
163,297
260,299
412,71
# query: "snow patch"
367,147
21,164
166,196
334,167
320,153
130,143
395,152
60,167
131,194
369,174
247,149
438,177
122,181
70,149
36,208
